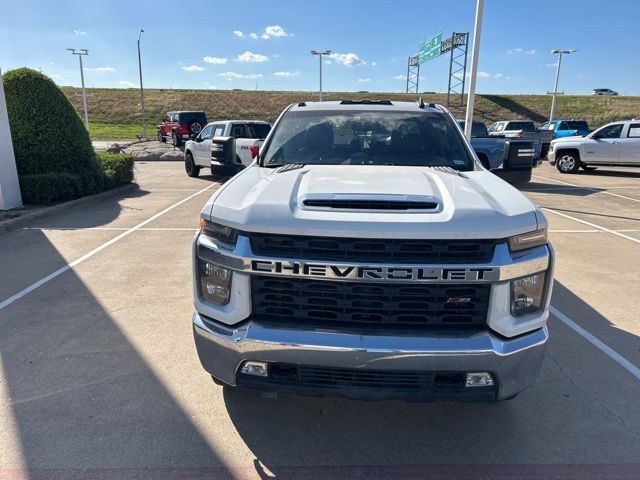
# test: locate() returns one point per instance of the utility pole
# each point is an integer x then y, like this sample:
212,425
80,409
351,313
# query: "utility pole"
475,53
9,187
320,54
555,87
80,53
144,113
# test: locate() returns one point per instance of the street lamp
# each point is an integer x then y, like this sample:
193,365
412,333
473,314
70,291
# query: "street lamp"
80,53
320,54
144,113
555,88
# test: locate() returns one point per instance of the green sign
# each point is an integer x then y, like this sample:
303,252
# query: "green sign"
430,48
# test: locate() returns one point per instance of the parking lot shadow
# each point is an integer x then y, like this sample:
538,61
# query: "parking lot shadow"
84,402
556,189
540,434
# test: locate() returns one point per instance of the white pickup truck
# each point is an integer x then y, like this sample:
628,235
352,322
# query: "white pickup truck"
368,254
249,136
616,144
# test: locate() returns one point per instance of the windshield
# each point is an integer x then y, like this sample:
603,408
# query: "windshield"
259,130
189,117
577,125
367,138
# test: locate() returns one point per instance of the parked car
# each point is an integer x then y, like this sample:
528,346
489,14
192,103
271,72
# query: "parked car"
249,136
386,269
615,144
566,128
490,148
603,91
522,129
180,126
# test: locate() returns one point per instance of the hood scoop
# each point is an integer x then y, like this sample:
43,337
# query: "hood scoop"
379,203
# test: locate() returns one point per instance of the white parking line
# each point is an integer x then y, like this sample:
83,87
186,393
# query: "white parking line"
596,342
589,188
584,222
86,256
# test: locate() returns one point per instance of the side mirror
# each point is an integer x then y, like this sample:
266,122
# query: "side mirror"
223,150
194,136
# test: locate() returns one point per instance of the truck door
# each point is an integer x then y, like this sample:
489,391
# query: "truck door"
603,146
630,145
202,147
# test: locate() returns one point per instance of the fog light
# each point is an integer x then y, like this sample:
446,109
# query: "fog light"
480,379
257,369
215,283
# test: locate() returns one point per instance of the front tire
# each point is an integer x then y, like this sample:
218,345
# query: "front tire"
175,140
568,162
161,138
190,167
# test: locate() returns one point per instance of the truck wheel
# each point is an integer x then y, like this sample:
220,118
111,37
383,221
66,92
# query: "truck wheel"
175,139
567,162
190,167
161,137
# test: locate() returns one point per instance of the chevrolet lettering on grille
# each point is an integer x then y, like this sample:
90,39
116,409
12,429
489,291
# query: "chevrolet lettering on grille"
374,273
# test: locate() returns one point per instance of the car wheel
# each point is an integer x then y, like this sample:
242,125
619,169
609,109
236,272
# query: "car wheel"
567,163
161,137
175,140
190,167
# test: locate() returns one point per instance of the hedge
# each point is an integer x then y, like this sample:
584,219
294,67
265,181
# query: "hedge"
46,188
117,169
49,138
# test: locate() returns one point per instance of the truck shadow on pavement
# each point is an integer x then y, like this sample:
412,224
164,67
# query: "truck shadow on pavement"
82,400
304,437
556,189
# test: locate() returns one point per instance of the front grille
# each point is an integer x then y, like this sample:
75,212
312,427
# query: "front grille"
393,305
373,250
354,204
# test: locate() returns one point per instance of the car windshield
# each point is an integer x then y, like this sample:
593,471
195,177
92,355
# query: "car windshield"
189,117
478,129
526,126
577,125
367,138
259,130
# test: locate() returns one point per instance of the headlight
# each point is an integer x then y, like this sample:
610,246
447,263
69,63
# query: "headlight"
219,232
528,240
214,282
526,294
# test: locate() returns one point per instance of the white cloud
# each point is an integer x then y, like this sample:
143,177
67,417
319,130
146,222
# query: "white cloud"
347,59
193,68
80,32
327,62
252,57
531,52
483,75
552,64
126,83
498,75
101,69
238,33
215,60
274,31
275,55
374,64
512,51
253,35
55,75
231,75
364,80
400,77
287,74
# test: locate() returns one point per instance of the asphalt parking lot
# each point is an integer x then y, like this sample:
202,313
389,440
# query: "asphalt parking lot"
99,377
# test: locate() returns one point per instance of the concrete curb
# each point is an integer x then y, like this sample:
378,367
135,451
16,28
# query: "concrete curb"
13,223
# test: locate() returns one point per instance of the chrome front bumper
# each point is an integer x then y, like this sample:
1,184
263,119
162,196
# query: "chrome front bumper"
514,363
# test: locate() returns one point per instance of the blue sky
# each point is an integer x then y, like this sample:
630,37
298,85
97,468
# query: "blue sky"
210,44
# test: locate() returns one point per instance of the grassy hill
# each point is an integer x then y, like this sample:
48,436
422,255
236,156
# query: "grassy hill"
114,113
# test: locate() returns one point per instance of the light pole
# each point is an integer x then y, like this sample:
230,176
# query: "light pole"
320,54
144,113
80,53
555,87
475,53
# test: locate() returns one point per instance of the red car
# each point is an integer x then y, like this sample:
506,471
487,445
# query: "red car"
180,126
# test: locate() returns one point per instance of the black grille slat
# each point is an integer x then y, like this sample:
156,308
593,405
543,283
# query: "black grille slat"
335,377
373,250
389,305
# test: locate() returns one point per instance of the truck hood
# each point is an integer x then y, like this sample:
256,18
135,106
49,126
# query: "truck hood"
469,205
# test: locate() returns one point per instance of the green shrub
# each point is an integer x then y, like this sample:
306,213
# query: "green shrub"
49,137
46,188
117,169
